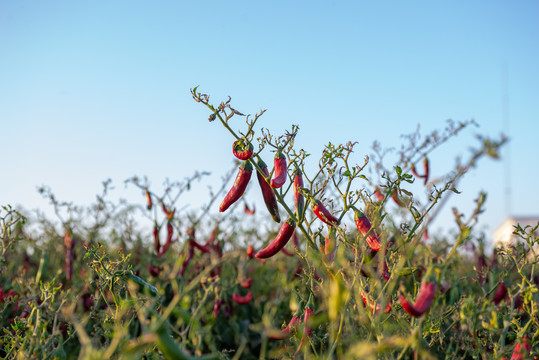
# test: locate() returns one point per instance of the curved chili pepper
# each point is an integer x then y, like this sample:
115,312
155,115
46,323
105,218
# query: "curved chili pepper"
323,214
424,300
374,307
192,242
364,226
169,214
148,200
306,324
299,200
242,151
289,329
280,170
267,192
280,240
243,299
240,184
286,252
398,200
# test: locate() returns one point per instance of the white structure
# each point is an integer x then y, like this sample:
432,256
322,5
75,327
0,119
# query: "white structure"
503,235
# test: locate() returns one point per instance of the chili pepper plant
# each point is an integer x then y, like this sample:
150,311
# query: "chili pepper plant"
342,262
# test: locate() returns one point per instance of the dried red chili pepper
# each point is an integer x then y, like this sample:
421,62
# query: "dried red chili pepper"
309,311
425,297
243,299
289,329
500,293
241,150
299,200
246,283
323,214
364,226
280,170
148,200
280,240
240,184
267,192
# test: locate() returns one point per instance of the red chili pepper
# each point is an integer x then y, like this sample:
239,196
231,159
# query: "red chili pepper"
323,214
243,299
246,283
286,252
330,245
280,170
364,226
217,308
240,184
154,270
306,324
148,200
249,211
399,201
378,194
169,214
192,242
426,168
190,254
156,241
280,240
289,329
500,293
424,300
374,307
242,151
522,349
482,268
267,192
299,200
213,235
69,244
250,251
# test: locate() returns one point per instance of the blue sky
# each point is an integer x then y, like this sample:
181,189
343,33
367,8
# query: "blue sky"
97,90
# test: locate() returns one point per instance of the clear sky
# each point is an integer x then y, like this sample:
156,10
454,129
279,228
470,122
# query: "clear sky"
94,90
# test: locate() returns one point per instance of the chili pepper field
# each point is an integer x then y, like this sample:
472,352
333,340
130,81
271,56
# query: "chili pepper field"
293,256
